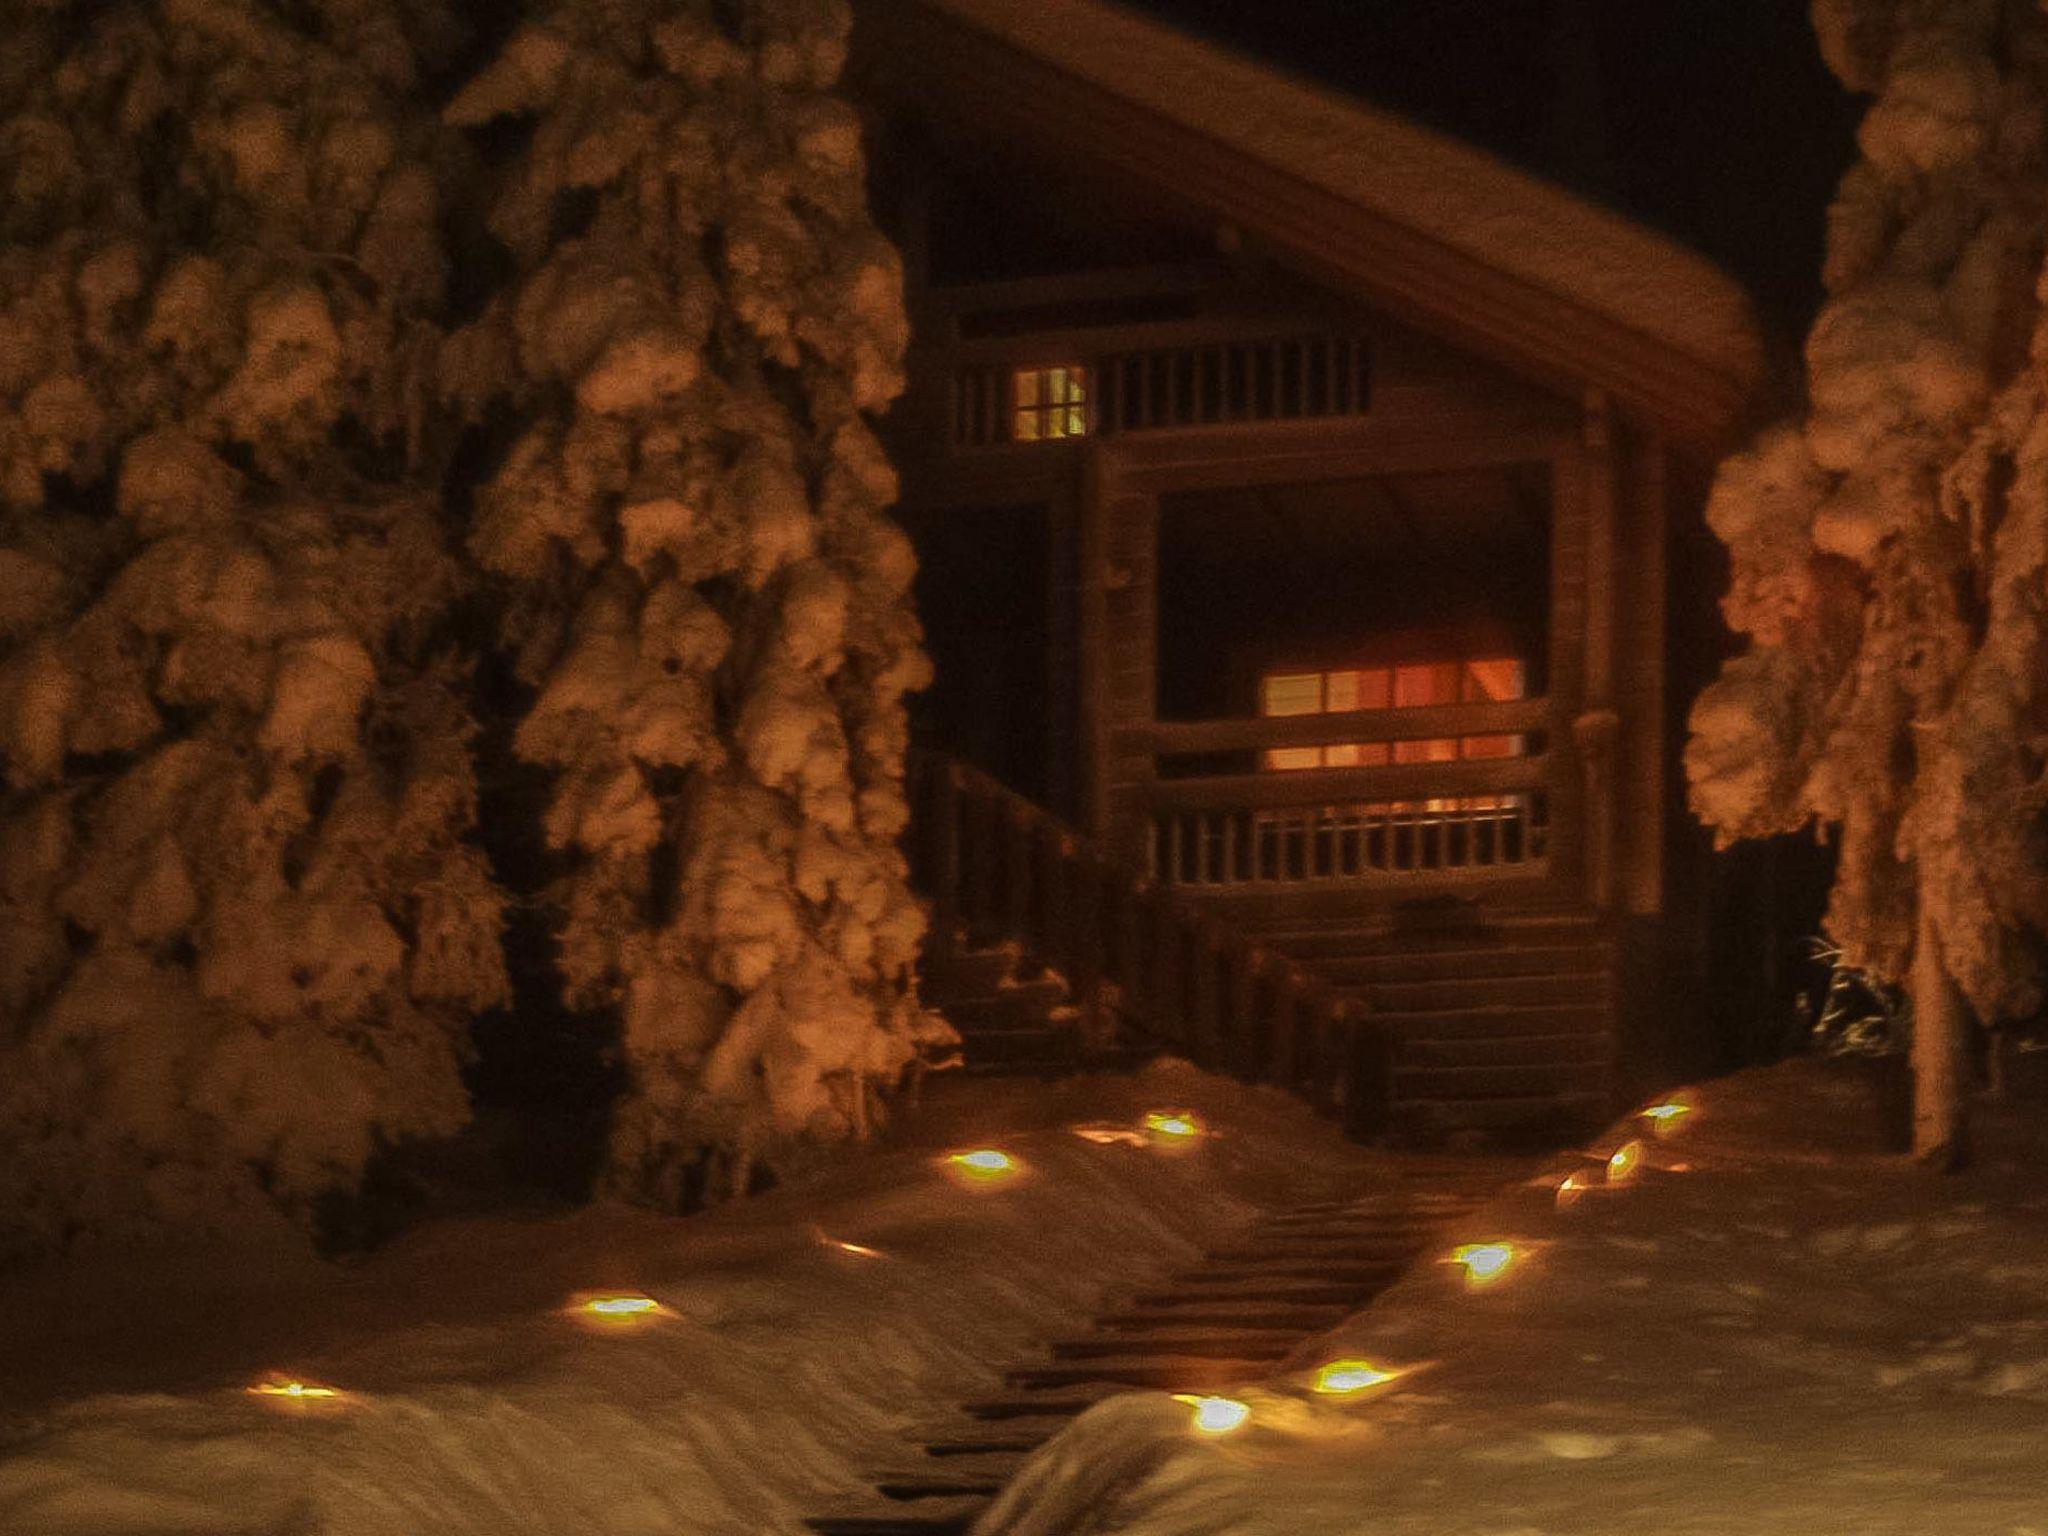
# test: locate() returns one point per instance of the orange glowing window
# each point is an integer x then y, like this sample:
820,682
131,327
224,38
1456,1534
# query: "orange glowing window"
1410,685
1048,403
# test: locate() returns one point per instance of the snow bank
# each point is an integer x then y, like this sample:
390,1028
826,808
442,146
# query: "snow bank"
1770,1331
787,1369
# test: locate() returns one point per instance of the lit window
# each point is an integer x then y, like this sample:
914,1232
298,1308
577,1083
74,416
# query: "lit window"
1411,685
1049,403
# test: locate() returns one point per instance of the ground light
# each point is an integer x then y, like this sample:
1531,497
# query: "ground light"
983,1165
1627,1159
1664,1117
1340,1378
1174,1124
1215,1415
1570,1192
284,1390
616,1309
1484,1262
858,1250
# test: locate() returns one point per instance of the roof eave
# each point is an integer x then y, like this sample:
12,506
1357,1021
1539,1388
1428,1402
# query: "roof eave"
969,81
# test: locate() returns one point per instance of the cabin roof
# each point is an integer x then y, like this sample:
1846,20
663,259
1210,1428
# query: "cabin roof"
1432,229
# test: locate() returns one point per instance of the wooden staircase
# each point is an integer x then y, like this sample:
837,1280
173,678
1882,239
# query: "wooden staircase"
1231,1318
1501,1021
1048,956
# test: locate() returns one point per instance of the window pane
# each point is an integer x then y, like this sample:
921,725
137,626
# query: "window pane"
1493,681
1292,693
1294,757
1434,682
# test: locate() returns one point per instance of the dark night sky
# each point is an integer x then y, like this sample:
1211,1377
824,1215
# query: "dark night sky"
1713,120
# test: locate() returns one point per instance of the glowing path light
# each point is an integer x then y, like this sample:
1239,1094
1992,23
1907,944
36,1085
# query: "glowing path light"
984,1165
1483,1262
1666,1113
858,1250
1340,1378
287,1390
1180,1124
616,1309
1627,1159
1215,1415
1570,1192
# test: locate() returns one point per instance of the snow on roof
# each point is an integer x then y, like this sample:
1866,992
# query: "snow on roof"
1435,185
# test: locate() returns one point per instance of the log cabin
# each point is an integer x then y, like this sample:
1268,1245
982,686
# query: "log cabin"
1305,502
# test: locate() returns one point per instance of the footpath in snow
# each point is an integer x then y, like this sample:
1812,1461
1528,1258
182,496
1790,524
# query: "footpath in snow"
1765,1328
781,1369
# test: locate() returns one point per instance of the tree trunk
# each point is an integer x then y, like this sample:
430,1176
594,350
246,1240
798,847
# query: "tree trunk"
1940,1057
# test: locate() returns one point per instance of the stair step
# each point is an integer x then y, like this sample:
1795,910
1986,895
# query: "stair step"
1531,1081
1497,1023
1038,1041
1296,1319
926,1521
1216,1345
1022,1005
1342,934
1514,1051
993,1445
998,1410
1351,967
943,973
1322,1293
1463,993
938,1483
1186,1373
1338,1247
1327,1272
1566,1113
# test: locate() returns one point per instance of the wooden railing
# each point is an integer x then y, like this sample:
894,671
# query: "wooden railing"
998,868
1474,816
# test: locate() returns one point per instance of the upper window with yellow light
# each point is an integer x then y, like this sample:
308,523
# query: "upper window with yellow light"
1048,403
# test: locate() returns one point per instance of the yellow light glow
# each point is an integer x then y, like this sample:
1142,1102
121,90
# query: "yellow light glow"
1179,1123
1110,1135
1484,1261
622,1306
1341,1377
294,1391
1215,1415
984,1163
858,1250
1666,1112
1622,1166
1570,1192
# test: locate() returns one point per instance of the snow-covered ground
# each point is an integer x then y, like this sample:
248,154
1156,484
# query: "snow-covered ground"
785,1369
1770,1331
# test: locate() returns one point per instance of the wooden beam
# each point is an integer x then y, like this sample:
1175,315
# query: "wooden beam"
1415,722
1344,786
973,83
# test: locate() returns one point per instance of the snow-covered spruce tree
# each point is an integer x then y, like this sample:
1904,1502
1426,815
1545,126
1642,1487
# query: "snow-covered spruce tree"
1890,552
239,931
704,589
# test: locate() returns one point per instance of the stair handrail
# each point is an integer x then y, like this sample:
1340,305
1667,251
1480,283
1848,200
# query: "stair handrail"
995,863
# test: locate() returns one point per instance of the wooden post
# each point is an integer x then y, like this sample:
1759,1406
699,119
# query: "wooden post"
1243,1048
1163,1001
1283,1064
1205,1022
1597,728
1368,1078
